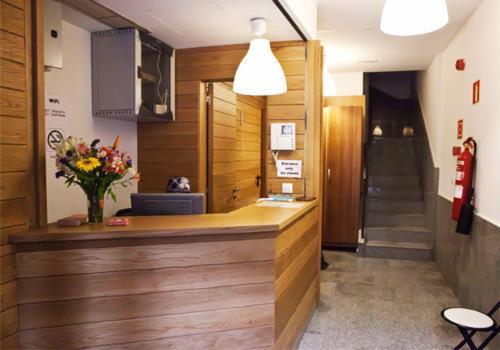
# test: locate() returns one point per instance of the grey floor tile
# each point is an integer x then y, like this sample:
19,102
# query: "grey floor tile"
381,304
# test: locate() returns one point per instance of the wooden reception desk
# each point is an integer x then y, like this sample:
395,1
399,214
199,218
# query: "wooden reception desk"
246,279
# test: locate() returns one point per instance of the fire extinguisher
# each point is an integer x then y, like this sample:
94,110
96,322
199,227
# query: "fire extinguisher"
463,178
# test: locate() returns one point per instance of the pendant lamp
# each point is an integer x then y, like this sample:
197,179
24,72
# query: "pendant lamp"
413,17
259,73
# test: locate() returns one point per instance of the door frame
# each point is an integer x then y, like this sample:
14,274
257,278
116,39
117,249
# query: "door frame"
209,176
35,66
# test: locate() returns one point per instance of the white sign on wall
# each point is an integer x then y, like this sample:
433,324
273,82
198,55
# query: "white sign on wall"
54,107
289,168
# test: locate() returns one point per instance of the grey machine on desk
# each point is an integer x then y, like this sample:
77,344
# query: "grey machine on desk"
167,203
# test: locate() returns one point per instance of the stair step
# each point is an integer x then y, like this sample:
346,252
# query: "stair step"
393,181
394,206
393,170
390,161
391,147
394,219
392,140
394,193
397,250
414,234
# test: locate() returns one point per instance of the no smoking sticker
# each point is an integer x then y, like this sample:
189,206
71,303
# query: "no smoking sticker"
54,138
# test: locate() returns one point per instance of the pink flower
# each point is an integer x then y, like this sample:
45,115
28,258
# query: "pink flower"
83,148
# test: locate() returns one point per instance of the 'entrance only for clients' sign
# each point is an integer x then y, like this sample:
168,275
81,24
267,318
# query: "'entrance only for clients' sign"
289,168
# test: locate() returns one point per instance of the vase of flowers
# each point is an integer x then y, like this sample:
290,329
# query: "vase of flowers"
97,170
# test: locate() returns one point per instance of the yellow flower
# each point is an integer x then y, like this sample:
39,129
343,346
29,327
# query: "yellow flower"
87,164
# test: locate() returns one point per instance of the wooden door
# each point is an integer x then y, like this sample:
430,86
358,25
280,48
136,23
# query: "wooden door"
343,176
234,149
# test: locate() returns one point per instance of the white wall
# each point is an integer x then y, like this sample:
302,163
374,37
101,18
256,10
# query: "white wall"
73,84
348,84
430,91
446,96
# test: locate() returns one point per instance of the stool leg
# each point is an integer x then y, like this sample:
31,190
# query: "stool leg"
489,338
467,338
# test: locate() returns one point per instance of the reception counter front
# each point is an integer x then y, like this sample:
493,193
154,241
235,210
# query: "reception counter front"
245,279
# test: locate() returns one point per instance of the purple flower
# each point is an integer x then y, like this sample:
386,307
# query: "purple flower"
63,161
69,154
59,174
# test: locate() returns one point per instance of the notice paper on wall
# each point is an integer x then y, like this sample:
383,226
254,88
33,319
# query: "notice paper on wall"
54,107
289,168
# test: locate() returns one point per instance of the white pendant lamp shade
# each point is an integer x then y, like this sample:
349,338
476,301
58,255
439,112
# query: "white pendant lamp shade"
259,73
413,17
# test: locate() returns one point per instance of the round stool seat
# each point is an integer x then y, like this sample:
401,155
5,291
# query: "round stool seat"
468,318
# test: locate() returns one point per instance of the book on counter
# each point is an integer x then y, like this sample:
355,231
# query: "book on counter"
73,220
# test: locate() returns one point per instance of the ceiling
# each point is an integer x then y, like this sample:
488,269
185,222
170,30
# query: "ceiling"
195,23
349,31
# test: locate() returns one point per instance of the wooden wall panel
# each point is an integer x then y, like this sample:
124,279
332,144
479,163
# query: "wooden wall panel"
54,314
154,327
297,251
247,338
288,107
194,293
211,64
16,147
234,146
95,260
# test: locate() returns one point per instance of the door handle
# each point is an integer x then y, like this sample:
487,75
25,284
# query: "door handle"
257,180
235,190
329,174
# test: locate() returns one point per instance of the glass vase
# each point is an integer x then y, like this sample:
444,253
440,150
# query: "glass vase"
95,208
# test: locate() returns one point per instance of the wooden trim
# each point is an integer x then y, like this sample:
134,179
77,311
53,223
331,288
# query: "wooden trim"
263,153
37,71
208,115
203,152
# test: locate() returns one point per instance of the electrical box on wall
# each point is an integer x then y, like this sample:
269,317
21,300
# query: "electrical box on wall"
131,76
282,136
53,57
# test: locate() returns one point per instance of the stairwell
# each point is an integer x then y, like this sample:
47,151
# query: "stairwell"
394,216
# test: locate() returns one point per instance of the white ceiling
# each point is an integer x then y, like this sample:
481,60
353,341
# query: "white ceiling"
350,32
195,23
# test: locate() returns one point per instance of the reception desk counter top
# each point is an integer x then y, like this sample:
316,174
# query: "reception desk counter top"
253,218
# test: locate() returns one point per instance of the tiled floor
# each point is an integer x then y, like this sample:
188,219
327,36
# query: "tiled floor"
369,303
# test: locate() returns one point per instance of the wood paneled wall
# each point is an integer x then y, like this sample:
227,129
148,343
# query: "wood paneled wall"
17,207
234,148
297,273
176,293
166,150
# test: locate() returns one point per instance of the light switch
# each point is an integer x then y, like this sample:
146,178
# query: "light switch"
287,187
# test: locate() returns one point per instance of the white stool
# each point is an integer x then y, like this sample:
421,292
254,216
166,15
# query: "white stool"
469,322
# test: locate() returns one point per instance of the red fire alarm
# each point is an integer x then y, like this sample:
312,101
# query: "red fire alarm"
460,64
475,92
460,128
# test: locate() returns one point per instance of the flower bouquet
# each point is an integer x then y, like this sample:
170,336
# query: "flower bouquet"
97,170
